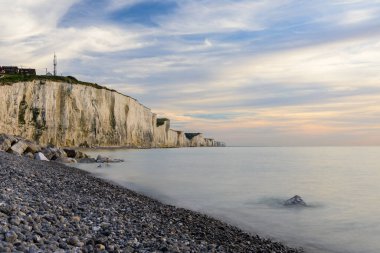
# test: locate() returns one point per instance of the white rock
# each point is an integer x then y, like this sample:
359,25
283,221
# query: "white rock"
19,148
41,157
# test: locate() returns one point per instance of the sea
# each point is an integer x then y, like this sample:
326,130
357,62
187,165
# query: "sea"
247,186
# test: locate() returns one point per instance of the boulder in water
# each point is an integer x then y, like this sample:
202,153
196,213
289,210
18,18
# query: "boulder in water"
295,201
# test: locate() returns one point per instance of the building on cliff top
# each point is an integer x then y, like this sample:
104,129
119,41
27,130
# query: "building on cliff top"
13,70
27,72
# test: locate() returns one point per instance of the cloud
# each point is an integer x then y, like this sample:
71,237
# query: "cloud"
248,72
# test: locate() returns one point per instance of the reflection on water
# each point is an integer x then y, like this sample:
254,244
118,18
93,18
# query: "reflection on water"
247,187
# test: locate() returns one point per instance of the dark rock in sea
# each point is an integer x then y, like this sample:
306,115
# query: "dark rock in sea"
65,160
103,159
87,160
295,201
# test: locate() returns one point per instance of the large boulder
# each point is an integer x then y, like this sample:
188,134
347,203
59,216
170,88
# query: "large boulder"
32,147
80,155
5,142
40,156
54,153
19,148
9,137
295,201
70,152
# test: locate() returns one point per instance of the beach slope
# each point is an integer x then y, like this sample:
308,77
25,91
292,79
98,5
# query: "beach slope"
49,207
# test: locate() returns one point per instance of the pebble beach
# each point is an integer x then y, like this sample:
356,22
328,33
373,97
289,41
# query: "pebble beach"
50,207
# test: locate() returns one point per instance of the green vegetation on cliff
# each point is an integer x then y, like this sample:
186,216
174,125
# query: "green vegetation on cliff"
10,79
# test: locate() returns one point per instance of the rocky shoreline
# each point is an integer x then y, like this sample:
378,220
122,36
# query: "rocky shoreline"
49,207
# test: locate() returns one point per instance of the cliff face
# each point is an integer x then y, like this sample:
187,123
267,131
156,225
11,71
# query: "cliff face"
67,114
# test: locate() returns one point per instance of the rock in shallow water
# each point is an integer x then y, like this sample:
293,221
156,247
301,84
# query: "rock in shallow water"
295,201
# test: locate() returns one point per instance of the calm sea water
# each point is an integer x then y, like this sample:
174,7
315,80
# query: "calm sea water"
246,187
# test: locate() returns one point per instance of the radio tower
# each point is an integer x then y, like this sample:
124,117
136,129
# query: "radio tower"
55,64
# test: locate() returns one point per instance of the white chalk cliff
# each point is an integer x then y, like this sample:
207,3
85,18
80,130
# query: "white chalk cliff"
68,114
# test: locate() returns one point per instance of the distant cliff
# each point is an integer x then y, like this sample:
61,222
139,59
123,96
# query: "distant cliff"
73,114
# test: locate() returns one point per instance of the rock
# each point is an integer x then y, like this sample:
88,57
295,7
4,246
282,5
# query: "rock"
66,160
29,155
295,201
53,153
103,159
70,152
10,236
74,241
40,157
100,247
75,218
5,142
87,160
19,147
48,152
80,155
15,221
32,147
36,238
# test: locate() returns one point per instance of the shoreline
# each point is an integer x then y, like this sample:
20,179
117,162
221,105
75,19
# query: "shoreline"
48,206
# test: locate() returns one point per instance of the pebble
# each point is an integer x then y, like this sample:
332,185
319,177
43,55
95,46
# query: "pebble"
75,218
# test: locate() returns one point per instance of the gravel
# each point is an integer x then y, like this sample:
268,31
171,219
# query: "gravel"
49,207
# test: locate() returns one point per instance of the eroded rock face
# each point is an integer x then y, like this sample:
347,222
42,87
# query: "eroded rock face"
74,115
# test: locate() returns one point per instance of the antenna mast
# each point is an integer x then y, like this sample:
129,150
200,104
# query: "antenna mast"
55,64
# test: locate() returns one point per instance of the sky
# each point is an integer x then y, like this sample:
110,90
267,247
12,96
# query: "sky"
250,73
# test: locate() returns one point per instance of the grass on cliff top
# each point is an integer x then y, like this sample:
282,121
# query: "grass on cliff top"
11,79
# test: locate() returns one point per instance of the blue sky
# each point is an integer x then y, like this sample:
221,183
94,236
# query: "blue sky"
246,72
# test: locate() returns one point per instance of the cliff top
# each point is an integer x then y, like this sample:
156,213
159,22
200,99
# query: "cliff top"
10,79
6,79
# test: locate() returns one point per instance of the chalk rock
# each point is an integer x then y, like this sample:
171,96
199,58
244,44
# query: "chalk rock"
295,201
19,147
5,143
40,156
32,147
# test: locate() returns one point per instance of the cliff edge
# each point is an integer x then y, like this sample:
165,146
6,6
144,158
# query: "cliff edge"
73,114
